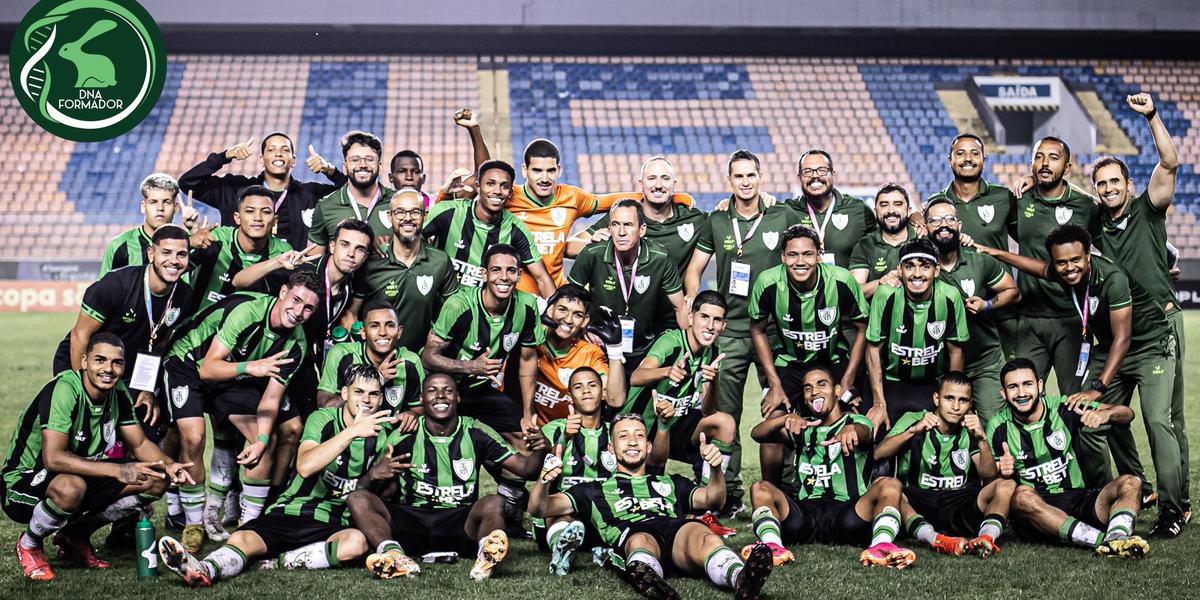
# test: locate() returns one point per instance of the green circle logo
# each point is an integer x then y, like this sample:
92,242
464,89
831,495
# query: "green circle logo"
87,70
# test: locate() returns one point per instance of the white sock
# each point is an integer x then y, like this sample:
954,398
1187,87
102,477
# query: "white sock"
174,505
723,567
553,531
312,556
254,498
386,545
1083,534
766,526
886,526
47,519
122,508
644,556
192,497
225,562
221,470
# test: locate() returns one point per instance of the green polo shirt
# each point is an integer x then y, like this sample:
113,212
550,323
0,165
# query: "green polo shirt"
852,219
336,207
974,274
985,216
876,255
1137,242
677,234
657,277
417,291
1033,220
1111,288
760,250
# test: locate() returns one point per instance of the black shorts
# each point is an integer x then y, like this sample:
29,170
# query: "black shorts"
280,532
424,530
302,389
183,390
591,539
30,487
829,522
682,430
1080,504
954,512
243,399
490,407
663,530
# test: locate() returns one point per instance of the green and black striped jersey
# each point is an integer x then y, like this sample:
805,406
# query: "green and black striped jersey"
322,495
1044,452
809,323
822,472
669,349
213,268
402,393
614,504
914,334
472,330
933,460
445,471
126,250
453,228
586,456
63,405
243,324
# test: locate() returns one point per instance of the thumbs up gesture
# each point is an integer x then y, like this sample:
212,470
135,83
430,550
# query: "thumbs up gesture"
241,151
1007,465
316,163
552,465
709,453
574,420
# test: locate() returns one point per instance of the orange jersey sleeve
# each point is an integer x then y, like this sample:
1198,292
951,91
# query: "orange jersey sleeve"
550,397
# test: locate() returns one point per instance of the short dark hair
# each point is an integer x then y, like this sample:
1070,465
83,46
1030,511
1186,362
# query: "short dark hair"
540,148
496,164
635,205
584,371
407,154
796,232
742,154
103,337
363,138
571,291
1018,364
262,146
919,246
355,225
936,201
968,136
254,190
1050,138
819,365
169,231
1110,160
306,278
811,151
377,304
627,417
362,372
712,297
495,249
890,187
954,377
1068,234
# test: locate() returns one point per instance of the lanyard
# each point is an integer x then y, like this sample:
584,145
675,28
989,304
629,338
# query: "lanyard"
626,292
154,327
1083,311
738,240
370,207
328,304
279,202
828,213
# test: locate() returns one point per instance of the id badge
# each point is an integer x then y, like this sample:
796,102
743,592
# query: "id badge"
1085,350
827,258
739,279
145,372
627,324
328,345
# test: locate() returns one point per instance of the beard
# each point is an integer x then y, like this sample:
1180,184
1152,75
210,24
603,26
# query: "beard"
893,230
945,244
362,186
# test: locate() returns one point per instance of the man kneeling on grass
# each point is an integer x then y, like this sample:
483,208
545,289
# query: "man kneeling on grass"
309,525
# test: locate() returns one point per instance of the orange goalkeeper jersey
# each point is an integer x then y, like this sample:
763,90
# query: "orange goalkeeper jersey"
550,397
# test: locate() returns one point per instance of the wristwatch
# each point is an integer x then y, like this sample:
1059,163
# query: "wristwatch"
1099,386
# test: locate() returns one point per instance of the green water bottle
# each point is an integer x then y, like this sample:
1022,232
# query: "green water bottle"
147,556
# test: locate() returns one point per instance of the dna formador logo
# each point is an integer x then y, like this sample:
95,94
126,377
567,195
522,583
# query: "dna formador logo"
87,70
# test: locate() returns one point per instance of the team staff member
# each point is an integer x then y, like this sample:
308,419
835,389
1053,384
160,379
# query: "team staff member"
984,208
158,206
362,197
292,200
821,206
876,257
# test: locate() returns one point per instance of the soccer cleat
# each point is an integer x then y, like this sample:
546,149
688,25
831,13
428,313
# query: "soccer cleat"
600,556
174,521
79,552
887,554
182,563
779,555
193,537
731,509
392,564
983,546
715,526
1149,500
569,540
493,550
1128,547
213,528
948,544
647,583
1170,523
33,562
759,562
233,509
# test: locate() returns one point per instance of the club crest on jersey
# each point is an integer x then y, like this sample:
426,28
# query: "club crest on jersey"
110,432
641,283
564,376
424,284
40,477
959,457
1093,304
834,449
558,214
1062,214
840,221
968,287
770,239
393,395
510,340
608,460
936,329
1057,440
179,396
383,219
827,315
986,213
463,467
172,316
662,487
685,231
306,216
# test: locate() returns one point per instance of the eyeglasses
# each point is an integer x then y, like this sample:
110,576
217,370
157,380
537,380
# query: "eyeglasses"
948,219
818,172
401,213
362,160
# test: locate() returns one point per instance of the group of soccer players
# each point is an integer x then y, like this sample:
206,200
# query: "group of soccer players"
360,351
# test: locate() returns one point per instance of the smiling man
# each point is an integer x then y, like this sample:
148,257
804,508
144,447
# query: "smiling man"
876,258
821,205
158,206
379,347
362,197
565,351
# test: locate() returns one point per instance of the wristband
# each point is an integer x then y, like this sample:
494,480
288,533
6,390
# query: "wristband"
1153,113
614,352
241,368
264,438
987,305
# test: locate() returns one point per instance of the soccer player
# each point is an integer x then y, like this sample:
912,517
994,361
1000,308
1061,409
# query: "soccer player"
437,506
1134,236
235,362
308,527
876,257
1134,350
835,503
820,205
642,517
362,197
158,207
807,301
986,286
380,348
744,239
219,254
1035,440
632,277
415,277
923,326
466,229
671,220
565,351
59,473
949,473
293,201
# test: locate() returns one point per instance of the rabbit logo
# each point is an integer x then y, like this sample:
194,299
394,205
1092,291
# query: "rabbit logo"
87,70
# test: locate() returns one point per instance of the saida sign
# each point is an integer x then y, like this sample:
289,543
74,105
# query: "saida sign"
87,70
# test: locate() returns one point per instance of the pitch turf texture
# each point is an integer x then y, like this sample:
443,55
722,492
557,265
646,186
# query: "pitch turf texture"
1021,570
